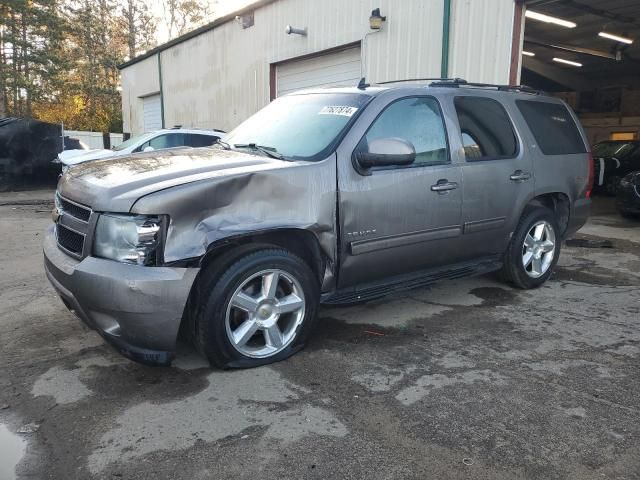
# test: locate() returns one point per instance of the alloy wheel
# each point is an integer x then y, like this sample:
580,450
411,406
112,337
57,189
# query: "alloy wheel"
264,313
538,249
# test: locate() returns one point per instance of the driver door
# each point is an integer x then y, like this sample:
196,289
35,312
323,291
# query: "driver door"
399,219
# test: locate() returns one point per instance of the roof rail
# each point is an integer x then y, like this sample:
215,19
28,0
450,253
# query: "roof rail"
422,80
459,82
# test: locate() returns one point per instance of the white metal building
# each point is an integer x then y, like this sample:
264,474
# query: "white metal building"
218,75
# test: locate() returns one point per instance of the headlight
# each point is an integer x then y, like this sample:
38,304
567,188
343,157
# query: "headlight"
128,238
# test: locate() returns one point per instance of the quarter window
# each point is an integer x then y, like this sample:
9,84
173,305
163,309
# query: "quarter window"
417,120
487,132
552,126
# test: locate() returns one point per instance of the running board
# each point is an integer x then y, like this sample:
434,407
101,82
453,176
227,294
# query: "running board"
410,281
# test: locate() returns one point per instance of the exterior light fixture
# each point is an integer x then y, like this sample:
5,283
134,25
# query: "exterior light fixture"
567,62
616,38
541,17
528,54
376,20
289,30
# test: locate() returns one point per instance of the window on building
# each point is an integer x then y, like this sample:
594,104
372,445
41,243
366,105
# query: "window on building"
552,126
487,132
417,120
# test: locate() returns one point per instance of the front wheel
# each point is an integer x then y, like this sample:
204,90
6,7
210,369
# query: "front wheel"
259,311
534,249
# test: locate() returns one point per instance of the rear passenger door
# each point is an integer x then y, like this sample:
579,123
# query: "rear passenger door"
497,174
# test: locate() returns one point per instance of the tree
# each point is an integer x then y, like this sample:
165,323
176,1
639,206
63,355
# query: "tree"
183,15
31,60
138,25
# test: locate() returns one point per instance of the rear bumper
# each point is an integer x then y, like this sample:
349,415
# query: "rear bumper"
578,216
137,309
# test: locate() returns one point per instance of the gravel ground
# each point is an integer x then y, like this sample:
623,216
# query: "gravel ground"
469,379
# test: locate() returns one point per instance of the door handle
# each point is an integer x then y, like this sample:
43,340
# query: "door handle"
443,186
520,176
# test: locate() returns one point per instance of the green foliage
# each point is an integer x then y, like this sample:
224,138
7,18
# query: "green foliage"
59,58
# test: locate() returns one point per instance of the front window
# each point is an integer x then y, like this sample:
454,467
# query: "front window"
132,142
300,127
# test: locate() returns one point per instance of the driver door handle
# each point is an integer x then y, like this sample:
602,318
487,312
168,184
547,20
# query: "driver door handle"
520,176
443,186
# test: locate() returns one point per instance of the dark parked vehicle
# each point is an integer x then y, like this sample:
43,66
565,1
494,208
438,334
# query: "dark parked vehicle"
628,197
613,160
331,195
27,147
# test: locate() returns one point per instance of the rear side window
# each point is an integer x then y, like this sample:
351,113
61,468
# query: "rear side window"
552,126
487,132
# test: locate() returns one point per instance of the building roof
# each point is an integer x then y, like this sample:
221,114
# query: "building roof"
194,33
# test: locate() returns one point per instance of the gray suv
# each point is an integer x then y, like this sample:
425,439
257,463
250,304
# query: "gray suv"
335,195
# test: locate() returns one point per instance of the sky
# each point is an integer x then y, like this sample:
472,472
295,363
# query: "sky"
219,7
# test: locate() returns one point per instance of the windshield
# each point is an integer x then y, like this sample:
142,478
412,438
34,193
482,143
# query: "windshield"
612,149
300,127
131,142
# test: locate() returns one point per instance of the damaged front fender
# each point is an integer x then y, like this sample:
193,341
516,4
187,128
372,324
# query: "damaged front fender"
298,196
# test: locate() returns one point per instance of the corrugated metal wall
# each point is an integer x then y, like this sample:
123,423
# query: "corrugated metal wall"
220,77
481,34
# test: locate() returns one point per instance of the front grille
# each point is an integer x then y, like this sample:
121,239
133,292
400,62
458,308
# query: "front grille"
70,240
74,209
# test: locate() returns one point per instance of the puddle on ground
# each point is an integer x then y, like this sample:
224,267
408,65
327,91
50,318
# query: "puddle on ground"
12,449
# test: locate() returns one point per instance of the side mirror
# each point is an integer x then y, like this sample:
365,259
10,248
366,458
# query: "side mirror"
387,152
148,148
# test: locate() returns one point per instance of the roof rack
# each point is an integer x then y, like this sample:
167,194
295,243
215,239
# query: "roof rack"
459,82
421,80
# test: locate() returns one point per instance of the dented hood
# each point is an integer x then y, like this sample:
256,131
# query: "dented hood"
114,185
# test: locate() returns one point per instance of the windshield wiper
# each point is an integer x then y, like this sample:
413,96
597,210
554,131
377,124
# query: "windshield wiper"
223,144
269,151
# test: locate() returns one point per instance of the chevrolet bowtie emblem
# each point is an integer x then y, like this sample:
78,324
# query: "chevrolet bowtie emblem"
56,213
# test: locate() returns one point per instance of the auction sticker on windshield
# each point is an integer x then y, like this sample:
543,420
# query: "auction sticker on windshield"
345,111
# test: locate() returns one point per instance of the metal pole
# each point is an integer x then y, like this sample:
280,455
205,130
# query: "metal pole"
446,20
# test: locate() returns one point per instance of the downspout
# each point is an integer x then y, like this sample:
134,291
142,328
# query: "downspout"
161,91
446,21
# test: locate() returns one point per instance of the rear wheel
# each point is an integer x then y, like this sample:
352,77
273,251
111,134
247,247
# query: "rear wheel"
259,311
534,249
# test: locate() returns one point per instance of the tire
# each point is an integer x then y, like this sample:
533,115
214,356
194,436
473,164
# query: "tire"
611,185
243,323
528,273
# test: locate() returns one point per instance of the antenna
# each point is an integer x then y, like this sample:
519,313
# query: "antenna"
362,84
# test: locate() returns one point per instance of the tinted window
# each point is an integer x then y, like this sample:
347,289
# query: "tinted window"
486,130
613,149
195,140
170,140
552,126
417,120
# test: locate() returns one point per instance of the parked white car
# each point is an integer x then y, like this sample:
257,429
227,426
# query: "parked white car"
158,140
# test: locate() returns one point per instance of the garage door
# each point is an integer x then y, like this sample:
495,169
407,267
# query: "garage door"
340,68
152,113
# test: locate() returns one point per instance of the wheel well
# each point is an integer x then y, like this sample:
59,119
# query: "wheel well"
299,242
558,203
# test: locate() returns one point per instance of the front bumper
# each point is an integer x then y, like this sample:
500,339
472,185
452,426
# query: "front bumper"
578,216
136,309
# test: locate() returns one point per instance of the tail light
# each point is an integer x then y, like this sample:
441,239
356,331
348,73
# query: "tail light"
591,176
